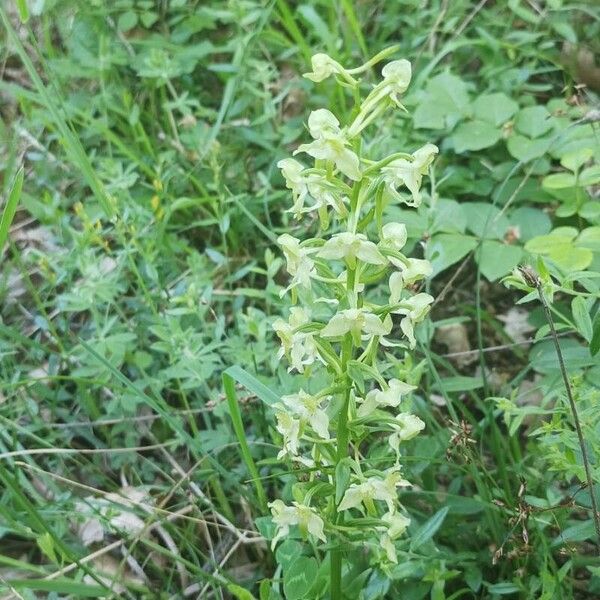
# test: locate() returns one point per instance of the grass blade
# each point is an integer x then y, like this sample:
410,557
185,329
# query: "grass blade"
230,376
8,214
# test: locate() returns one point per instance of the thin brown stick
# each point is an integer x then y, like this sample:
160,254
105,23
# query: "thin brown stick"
532,278
450,283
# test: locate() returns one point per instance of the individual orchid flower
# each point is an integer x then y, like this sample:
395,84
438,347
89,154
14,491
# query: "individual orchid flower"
295,180
330,143
299,347
415,269
351,246
394,235
299,264
314,186
374,488
289,428
406,427
323,66
305,517
416,309
409,173
396,79
391,396
396,284
356,321
308,408
396,526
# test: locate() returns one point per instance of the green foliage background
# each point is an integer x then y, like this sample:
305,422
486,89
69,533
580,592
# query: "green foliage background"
141,263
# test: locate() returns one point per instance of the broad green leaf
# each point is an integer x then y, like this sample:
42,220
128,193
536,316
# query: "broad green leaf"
449,216
525,149
473,578
591,211
576,159
542,356
496,258
533,121
530,222
429,115
266,527
565,30
544,244
571,258
582,318
445,249
287,552
589,238
127,20
576,533
486,221
559,181
444,102
524,13
590,176
475,135
299,578
494,108
428,529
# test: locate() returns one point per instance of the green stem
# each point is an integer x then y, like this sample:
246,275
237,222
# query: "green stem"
342,452
575,413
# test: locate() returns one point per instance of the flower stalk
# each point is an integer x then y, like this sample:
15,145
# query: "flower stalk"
335,328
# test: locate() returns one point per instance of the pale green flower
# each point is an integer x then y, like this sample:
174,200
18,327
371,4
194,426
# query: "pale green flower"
323,66
416,269
397,525
350,246
388,546
330,143
396,78
299,347
391,396
407,427
289,428
299,264
308,408
416,309
292,172
396,284
298,514
409,173
374,488
394,235
312,185
356,321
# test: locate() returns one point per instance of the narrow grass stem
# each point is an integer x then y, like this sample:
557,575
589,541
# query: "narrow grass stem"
574,411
